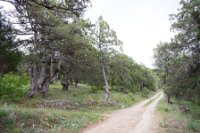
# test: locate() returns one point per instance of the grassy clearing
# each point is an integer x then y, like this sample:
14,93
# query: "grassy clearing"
176,121
62,111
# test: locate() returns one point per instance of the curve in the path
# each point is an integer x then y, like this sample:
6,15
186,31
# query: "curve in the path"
136,119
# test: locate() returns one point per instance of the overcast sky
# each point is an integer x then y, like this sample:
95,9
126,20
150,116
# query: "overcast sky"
140,24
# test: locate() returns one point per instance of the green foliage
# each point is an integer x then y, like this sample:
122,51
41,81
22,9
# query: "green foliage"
95,89
36,120
164,109
10,55
194,125
178,60
90,108
11,86
150,101
84,49
86,94
126,75
163,123
175,120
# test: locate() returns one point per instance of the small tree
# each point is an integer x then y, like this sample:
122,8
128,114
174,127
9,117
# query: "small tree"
105,40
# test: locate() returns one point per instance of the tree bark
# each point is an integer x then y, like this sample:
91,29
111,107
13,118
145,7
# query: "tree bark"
40,83
121,87
71,81
45,88
106,87
168,98
33,68
33,80
65,86
42,75
44,78
141,85
54,76
65,82
76,82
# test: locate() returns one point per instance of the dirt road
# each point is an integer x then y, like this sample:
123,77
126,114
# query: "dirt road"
140,118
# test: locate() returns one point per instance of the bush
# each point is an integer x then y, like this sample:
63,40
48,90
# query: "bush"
11,87
134,89
194,125
95,89
145,92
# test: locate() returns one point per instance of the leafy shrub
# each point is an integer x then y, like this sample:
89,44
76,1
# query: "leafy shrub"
95,89
124,99
134,89
115,88
2,114
164,123
194,125
11,87
145,92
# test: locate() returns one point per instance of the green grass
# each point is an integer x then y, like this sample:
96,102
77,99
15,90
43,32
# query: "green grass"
83,107
150,101
176,121
40,120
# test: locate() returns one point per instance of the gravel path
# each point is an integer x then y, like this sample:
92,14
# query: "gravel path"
140,118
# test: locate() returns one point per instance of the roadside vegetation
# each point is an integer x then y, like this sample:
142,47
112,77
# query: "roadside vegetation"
177,64
179,117
177,61
63,111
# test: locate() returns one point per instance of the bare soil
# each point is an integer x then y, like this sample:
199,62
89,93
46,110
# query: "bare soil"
140,118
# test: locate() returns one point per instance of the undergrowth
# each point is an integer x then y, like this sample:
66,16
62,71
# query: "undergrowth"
175,120
83,107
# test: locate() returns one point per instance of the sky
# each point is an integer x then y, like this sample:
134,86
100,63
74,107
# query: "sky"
140,24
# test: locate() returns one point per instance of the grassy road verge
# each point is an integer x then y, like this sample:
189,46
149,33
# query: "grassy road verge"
177,120
62,111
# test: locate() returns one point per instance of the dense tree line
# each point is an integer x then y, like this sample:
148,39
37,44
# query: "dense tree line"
61,45
178,60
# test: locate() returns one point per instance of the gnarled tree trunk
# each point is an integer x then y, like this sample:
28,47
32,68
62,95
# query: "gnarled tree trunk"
45,88
39,83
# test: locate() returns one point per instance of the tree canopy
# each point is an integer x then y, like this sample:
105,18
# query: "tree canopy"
10,55
58,44
178,60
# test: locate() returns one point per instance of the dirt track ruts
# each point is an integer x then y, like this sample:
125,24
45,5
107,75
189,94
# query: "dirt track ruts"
139,118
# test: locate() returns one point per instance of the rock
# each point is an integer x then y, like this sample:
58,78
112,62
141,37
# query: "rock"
59,104
184,109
